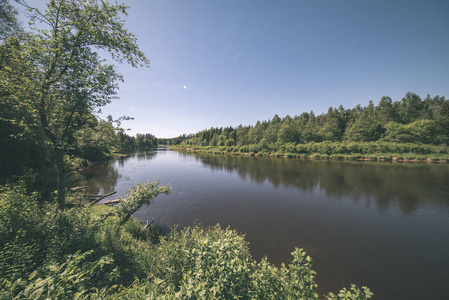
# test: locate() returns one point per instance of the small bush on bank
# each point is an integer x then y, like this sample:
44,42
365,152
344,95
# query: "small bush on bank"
211,263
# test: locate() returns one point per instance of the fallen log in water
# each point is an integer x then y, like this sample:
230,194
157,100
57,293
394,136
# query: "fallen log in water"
77,188
102,197
112,202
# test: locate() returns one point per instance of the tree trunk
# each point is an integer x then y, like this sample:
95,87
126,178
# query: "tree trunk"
59,152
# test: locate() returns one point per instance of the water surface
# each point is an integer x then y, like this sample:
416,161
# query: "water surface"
383,225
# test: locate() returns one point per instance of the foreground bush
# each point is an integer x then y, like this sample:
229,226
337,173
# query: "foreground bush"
32,235
77,278
211,263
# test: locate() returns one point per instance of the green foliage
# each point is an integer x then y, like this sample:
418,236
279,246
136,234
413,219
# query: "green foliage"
134,228
209,257
31,235
54,81
21,230
365,130
95,143
411,125
198,262
150,232
9,25
336,150
287,134
354,293
138,195
424,131
211,263
77,277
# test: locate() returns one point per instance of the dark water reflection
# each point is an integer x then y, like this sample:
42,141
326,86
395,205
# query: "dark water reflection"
407,184
102,178
383,225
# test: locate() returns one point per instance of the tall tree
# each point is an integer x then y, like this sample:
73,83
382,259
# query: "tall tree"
410,108
70,81
385,111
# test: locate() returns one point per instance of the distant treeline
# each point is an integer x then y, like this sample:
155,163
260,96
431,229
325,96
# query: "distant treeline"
411,120
175,141
140,141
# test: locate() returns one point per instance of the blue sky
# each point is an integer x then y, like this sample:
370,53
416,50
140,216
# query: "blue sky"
216,63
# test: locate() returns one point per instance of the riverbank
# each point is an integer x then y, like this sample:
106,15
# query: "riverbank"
334,151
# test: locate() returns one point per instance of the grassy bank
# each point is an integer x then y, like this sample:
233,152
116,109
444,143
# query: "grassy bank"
376,151
101,252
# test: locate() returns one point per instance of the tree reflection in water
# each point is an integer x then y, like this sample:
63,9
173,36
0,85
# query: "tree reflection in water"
102,178
407,184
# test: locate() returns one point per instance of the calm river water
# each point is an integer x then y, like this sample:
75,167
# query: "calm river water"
383,225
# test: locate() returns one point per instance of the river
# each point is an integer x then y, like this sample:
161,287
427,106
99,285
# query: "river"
380,224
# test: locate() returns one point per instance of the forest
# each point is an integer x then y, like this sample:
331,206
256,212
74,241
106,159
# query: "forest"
54,244
412,126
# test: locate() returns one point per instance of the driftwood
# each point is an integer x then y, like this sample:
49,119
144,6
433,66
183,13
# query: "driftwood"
102,197
112,202
77,188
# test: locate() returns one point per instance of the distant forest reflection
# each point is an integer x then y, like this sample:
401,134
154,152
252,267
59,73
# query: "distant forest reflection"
407,184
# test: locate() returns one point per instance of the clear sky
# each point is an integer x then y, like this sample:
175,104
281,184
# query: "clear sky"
216,63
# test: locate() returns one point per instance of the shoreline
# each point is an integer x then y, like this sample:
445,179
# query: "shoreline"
381,157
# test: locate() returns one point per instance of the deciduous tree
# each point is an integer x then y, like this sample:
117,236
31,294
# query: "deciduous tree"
67,80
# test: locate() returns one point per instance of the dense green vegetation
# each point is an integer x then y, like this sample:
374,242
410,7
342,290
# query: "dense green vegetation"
176,140
383,151
52,85
411,128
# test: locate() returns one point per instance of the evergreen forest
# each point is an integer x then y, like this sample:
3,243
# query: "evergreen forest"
412,128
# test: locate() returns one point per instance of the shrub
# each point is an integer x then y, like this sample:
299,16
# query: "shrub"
354,293
75,278
301,148
211,263
136,230
316,155
290,148
31,235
